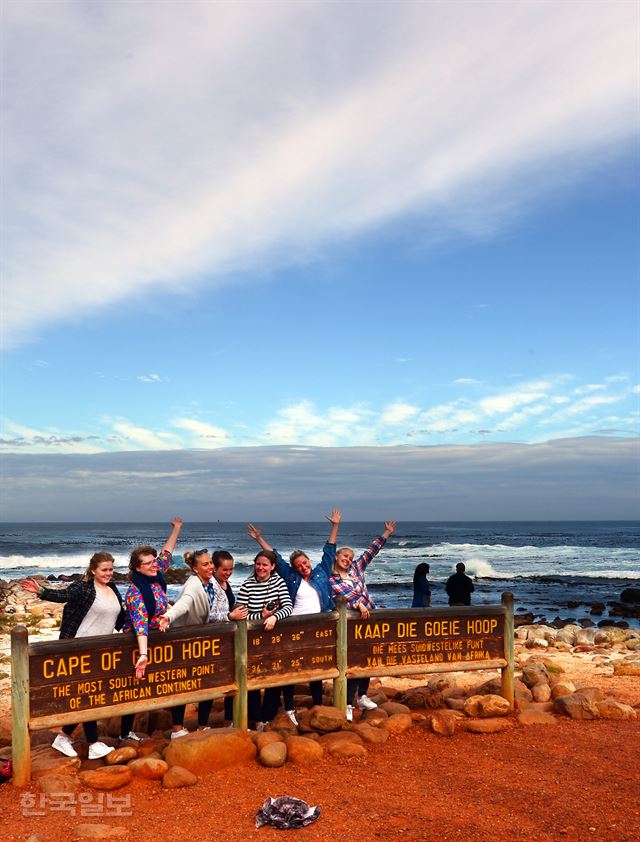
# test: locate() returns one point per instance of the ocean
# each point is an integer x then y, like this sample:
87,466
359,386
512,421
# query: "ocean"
548,566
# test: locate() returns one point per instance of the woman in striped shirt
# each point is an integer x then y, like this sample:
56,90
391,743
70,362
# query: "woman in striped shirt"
266,597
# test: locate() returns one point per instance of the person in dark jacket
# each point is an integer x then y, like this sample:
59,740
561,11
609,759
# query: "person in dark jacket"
459,587
421,587
93,607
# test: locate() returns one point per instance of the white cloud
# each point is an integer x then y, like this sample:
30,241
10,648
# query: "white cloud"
141,437
466,381
186,139
207,435
398,413
150,378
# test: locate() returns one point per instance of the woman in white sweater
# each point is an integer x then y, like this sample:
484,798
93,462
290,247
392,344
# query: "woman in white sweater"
201,600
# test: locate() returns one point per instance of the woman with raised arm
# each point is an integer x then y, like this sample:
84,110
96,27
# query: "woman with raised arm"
310,591
267,599
348,582
146,601
93,606
201,600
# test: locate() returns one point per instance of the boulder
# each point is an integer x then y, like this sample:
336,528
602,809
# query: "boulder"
273,755
149,768
486,706
99,831
487,726
398,723
396,707
612,709
51,762
630,595
585,637
455,702
326,719
207,751
55,784
534,673
626,668
265,738
562,688
121,755
369,734
347,750
536,717
419,697
177,777
443,722
375,717
153,745
107,777
302,751
340,737
577,706
541,692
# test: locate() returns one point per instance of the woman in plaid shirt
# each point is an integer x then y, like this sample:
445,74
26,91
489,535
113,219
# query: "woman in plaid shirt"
348,582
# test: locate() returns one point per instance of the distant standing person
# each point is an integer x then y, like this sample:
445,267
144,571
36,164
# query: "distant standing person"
421,587
459,587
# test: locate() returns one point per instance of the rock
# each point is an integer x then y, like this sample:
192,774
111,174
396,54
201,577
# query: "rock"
265,738
347,750
585,636
343,744
177,777
369,734
47,623
107,777
375,717
626,668
207,751
149,768
273,755
395,707
493,686
534,673
537,643
121,755
282,725
486,706
99,831
398,723
326,719
612,709
54,784
443,722
153,745
567,634
487,726
562,688
302,751
611,635
577,706
536,717
454,703
633,644
630,595
391,692
541,692
594,694
51,762
419,697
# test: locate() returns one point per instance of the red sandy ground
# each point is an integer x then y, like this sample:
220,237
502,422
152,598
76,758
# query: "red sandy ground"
571,781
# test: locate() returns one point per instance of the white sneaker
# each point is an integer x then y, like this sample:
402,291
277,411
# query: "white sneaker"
63,744
97,750
181,733
131,736
365,703
292,716
349,713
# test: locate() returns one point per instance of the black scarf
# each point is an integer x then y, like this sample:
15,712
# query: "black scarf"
143,583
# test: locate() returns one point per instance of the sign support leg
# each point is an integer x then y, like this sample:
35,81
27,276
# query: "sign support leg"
20,740
507,673
340,683
240,703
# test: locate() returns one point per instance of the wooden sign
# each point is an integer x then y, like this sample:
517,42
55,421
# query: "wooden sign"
301,645
97,672
405,641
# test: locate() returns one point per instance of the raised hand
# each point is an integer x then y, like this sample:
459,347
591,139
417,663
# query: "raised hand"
177,523
389,527
254,532
335,517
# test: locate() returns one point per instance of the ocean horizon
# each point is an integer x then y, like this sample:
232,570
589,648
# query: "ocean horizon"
549,566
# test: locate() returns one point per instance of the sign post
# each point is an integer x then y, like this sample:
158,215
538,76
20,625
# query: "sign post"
507,672
20,740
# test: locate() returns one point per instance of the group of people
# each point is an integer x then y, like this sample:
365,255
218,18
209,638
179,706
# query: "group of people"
275,590
459,587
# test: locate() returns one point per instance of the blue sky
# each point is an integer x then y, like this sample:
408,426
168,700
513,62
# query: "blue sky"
320,225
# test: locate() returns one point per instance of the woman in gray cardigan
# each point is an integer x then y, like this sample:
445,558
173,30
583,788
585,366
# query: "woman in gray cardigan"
201,600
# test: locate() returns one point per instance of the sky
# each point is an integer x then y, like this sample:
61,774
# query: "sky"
341,248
